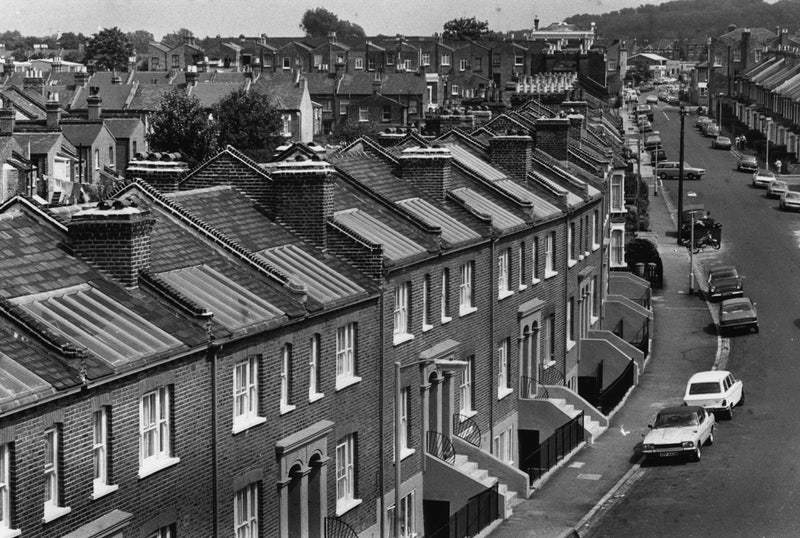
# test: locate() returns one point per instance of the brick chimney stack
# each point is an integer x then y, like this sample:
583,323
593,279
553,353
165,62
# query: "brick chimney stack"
512,153
552,137
114,236
81,78
428,169
7,115
93,104
301,197
744,53
33,81
53,109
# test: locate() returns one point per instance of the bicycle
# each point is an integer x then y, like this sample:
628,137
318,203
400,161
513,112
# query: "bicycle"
704,241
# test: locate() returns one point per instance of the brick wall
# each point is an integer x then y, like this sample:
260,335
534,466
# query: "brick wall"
303,199
428,169
552,137
227,169
513,154
183,490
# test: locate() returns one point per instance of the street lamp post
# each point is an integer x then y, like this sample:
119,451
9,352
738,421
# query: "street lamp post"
680,177
769,124
691,258
719,107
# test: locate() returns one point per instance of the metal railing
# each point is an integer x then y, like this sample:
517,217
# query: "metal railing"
467,428
562,442
471,518
336,528
441,447
609,398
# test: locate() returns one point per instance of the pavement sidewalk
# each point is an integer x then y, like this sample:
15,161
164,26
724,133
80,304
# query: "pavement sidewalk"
683,339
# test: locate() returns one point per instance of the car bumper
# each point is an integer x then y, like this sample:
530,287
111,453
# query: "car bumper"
791,205
725,294
761,183
746,168
668,452
741,326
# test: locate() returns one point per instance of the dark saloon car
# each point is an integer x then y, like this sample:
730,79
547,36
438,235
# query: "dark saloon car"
724,282
721,142
737,314
747,163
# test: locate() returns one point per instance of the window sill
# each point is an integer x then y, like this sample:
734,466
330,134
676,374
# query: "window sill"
522,287
581,257
101,490
242,424
287,408
502,392
446,319
572,263
550,274
464,415
535,281
151,467
467,311
586,253
426,327
595,246
401,338
406,452
549,364
570,344
502,294
344,382
51,513
10,533
314,396
342,507
593,319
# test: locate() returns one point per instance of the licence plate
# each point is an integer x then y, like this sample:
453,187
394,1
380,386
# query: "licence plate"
667,454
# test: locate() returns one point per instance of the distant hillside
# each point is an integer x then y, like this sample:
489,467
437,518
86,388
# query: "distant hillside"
692,19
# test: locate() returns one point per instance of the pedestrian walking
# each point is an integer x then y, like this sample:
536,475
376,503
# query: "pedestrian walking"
738,142
744,141
778,165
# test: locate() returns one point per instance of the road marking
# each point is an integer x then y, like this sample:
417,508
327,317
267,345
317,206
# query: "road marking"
620,488
665,114
589,476
577,464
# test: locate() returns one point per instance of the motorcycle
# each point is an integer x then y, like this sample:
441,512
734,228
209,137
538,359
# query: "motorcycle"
703,241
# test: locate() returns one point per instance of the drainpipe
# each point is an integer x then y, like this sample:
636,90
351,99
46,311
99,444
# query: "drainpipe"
565,267
213,351
493,305
381,455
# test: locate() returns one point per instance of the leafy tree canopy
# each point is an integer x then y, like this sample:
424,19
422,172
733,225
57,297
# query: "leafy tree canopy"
247,120
140,39
320,22
109,49
178,37
71,40
465,28
179,123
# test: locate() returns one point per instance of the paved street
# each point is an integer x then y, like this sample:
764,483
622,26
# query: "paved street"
747,483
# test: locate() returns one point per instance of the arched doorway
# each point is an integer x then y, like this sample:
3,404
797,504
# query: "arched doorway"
316,492
297,513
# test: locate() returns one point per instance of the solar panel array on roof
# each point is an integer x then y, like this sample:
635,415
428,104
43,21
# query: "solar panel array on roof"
396,246
90,318
502,219
234,306
541,207
453,231
322,283
476,164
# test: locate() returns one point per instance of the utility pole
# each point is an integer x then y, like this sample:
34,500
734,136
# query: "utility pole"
680,177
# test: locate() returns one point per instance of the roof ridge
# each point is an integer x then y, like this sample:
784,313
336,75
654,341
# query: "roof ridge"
234,153
211,232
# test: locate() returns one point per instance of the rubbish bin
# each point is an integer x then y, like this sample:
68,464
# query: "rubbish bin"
639,269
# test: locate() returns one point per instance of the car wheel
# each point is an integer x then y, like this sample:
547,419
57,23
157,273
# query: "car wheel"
696,454
690,177
710,440
741,399
756,329
662,175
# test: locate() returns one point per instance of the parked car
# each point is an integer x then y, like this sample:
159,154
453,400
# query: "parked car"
776,188
673,99
762,178
716,390
711,129
652,141
679,431
790,200
671,170
739,313
747,163
645,126
658,155
651,100
724,282
701,110
701,121
721,142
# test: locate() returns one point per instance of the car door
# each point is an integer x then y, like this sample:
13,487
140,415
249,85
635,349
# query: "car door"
736,389
706,421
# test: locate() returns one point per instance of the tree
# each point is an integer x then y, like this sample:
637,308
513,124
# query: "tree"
179,123
109,49
463,28
140,39
178,37
247,121
71,40
320,22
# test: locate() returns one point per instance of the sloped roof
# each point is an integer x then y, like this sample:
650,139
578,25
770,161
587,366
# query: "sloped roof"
18,385
502,219
475,164
82,134
396,246
148,96
453,231
286,94
210,94
42,142
113,96
123,127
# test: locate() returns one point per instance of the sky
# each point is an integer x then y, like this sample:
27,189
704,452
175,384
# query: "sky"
282,17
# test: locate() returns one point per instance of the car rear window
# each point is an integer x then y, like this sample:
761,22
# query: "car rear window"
676,420
739,307
707,387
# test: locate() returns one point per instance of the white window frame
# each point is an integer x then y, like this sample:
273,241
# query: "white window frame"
519,60
462,64
346,356
286,380
426,292
408,523
162,532
314,393
465,289
504,274
100,440
535,261
445,60
363,113
345,475
245,512
246,394
454,89
549,255
617,196
5,493
571,259
159,428
593,311
504,446
405,410
444,305
503,369
617,250
425,59
465,391
570,320
548,342
521,284
595,230
287,62
53,508
359,62
402,321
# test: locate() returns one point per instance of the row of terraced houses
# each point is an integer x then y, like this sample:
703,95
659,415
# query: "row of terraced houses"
401,337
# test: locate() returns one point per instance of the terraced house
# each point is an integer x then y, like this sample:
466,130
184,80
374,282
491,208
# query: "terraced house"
370,342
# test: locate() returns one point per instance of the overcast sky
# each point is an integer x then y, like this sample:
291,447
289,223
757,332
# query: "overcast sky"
282,17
